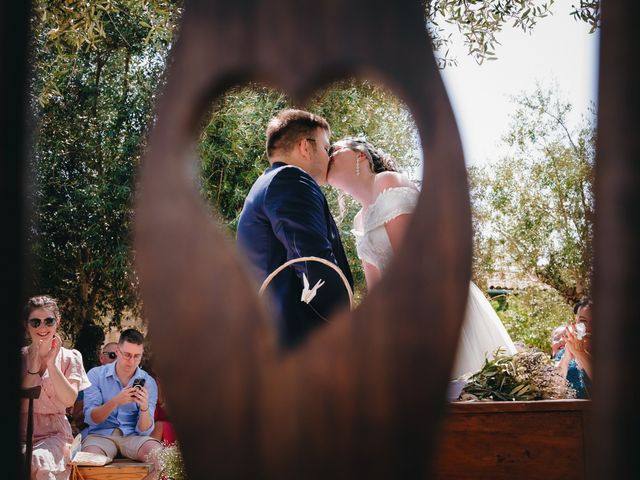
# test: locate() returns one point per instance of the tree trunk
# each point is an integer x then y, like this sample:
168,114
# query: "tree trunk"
89,341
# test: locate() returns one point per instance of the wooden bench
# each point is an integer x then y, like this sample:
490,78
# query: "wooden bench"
509,440
119,469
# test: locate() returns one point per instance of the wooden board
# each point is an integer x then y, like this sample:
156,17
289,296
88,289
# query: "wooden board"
507,440
117,470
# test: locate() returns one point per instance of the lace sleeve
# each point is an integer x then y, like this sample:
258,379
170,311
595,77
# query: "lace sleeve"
390,204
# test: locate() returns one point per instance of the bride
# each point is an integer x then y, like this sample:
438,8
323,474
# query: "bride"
388,199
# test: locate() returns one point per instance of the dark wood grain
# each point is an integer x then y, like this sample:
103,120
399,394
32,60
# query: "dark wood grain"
507,440
29,394
14,268
532,406
616,319
362,398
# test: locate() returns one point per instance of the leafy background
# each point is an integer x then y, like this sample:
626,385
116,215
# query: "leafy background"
96,68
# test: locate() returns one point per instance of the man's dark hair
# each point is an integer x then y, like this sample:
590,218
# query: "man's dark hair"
290,126
131,335
584,302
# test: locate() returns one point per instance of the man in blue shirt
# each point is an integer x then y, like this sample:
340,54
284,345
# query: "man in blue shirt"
119,412
108,355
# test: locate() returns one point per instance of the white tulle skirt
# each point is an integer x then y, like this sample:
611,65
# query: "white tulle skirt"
482,334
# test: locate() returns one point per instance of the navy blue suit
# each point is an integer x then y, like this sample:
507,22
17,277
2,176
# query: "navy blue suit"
286,216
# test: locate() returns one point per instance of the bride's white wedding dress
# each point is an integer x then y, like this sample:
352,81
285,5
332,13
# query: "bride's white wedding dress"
482,332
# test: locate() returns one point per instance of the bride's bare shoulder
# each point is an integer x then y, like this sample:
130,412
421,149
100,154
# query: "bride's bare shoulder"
385,180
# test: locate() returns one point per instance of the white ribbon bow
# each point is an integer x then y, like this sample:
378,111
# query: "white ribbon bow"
308,294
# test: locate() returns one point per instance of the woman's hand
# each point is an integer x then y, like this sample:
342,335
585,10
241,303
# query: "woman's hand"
50,356
578,348
574,345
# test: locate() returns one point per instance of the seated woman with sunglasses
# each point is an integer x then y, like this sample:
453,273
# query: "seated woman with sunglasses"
61,374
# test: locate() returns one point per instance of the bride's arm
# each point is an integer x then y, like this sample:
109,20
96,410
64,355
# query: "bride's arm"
371,274
396,229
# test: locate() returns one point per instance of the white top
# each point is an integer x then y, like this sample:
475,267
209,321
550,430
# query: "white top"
372,241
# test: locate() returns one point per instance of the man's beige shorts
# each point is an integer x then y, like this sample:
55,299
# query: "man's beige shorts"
114,443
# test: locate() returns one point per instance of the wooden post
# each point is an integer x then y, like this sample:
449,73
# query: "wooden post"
616,321
363,397
14,144
31,394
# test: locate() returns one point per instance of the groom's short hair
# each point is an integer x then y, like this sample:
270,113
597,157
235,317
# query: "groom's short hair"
289,126
131,335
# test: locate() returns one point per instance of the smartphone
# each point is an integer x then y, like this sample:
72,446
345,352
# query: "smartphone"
138,382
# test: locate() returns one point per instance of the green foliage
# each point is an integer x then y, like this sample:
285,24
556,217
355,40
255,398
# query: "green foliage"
65,31
527,375
588,11
232,147
485,248
534,208
531,315
92,89
96,68
479,21
74,25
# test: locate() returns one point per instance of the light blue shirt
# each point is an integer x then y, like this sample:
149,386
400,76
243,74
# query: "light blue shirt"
105,385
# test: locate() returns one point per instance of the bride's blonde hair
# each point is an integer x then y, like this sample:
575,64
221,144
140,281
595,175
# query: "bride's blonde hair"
379,161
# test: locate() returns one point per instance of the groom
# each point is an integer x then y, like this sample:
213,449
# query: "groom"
286,216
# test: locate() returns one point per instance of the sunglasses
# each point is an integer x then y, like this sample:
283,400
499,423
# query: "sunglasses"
111,355
49,322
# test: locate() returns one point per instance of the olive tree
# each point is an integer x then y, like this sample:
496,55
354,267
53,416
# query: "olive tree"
534,208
